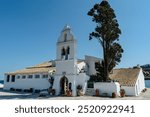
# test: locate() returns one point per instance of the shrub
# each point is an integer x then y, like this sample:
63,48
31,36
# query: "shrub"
90,84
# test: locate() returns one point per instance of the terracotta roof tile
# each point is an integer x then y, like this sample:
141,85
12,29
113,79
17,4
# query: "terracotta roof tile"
40,68
125,76
32,71
44,64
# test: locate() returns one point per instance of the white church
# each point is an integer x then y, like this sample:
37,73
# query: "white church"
67,72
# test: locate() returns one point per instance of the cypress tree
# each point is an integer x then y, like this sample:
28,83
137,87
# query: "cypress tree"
107,33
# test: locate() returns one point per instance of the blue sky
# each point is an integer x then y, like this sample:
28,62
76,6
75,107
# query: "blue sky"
29,30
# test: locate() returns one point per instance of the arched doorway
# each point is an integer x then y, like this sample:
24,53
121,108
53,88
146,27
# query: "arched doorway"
63,85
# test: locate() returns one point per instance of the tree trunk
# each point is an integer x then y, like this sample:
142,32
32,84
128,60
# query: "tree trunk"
105,52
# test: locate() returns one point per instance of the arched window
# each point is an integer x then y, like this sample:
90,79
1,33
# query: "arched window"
68,50
67,53
65,37
63,51
8,77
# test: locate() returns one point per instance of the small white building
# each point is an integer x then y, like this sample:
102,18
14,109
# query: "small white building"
35,77
130,79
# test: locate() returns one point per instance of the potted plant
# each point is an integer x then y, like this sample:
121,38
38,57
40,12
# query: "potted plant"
79,87
79,90
97,92
53,91
114,95
122,93
49,90
69,93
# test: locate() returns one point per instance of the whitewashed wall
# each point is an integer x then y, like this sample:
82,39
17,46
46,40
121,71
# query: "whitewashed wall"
141,81
27,83
90,60
107,87
80,66
66,30
129,91
82,79
72,46
71,79
66,66
78,79
56,84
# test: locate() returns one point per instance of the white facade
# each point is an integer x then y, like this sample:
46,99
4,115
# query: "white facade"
129,91
107,88
68,75
90,60
27,83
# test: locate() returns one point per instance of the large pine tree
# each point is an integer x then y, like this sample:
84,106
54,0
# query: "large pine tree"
107,33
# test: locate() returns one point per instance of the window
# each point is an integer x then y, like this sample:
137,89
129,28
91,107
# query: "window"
18,77
63,51
68,50
67,53
45,76
8,77
13,78
30,76
23,77
37,76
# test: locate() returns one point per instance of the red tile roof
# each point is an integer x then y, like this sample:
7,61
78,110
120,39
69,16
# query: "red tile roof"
125,76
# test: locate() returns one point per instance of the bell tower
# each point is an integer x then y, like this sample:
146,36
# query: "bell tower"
66,45
66,62
67,75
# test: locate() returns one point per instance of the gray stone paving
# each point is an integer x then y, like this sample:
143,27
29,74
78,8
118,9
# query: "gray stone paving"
15,95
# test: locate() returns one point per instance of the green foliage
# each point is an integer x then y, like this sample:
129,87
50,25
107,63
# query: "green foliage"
90,84
107,33
99,67
99,76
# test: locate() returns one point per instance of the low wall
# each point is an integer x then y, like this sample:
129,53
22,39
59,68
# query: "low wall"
107,88
129,91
